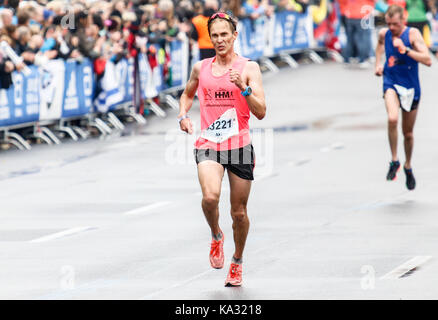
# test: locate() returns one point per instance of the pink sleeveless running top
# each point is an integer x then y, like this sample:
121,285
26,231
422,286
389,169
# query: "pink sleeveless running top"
216,96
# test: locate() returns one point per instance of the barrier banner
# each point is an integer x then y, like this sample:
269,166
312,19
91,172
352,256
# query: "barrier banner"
252,37
179,62
127,78
124,77
51,89
110,94
290,31
78,89
157,78
147,87
20,103
117,85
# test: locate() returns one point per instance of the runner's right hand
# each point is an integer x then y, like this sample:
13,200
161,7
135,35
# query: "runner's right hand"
186,125
379,71
399,45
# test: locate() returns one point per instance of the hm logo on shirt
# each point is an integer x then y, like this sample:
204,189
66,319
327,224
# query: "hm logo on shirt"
223,94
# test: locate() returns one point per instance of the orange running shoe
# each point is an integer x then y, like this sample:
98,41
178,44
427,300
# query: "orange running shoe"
217,253
234,278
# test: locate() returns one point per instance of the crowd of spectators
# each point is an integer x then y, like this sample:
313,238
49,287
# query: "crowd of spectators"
40,30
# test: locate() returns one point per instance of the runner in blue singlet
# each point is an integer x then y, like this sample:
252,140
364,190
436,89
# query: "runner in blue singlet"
404,48
401,71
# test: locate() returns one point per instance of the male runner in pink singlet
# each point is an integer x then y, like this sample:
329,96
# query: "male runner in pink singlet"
229,88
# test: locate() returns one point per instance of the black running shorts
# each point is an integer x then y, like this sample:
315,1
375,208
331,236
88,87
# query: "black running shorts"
241,161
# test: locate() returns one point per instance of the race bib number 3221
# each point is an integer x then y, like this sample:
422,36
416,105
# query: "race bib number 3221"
222,128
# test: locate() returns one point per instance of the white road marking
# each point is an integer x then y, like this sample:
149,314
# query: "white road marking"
147,208
62,234
406,267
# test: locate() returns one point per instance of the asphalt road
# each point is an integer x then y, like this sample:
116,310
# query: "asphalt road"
120,218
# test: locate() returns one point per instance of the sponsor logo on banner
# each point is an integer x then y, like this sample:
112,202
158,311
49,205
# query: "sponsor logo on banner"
251,39
116,85
176,57
52,77
79,89
87,83
301,37
110,94
278,34
148,88
121,75
33,94
18,90
129,80
291,31
289,24
258,41
157,76
71,100
20,103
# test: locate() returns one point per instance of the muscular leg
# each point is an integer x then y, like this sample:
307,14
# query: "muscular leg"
210,174
392,107
408,122
239,193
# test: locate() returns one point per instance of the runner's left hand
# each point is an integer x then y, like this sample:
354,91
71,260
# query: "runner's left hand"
237,79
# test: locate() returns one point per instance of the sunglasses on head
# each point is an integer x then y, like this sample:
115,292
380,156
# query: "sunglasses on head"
221,15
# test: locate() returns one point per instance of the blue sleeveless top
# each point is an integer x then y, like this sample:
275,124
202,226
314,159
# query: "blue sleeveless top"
400,68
